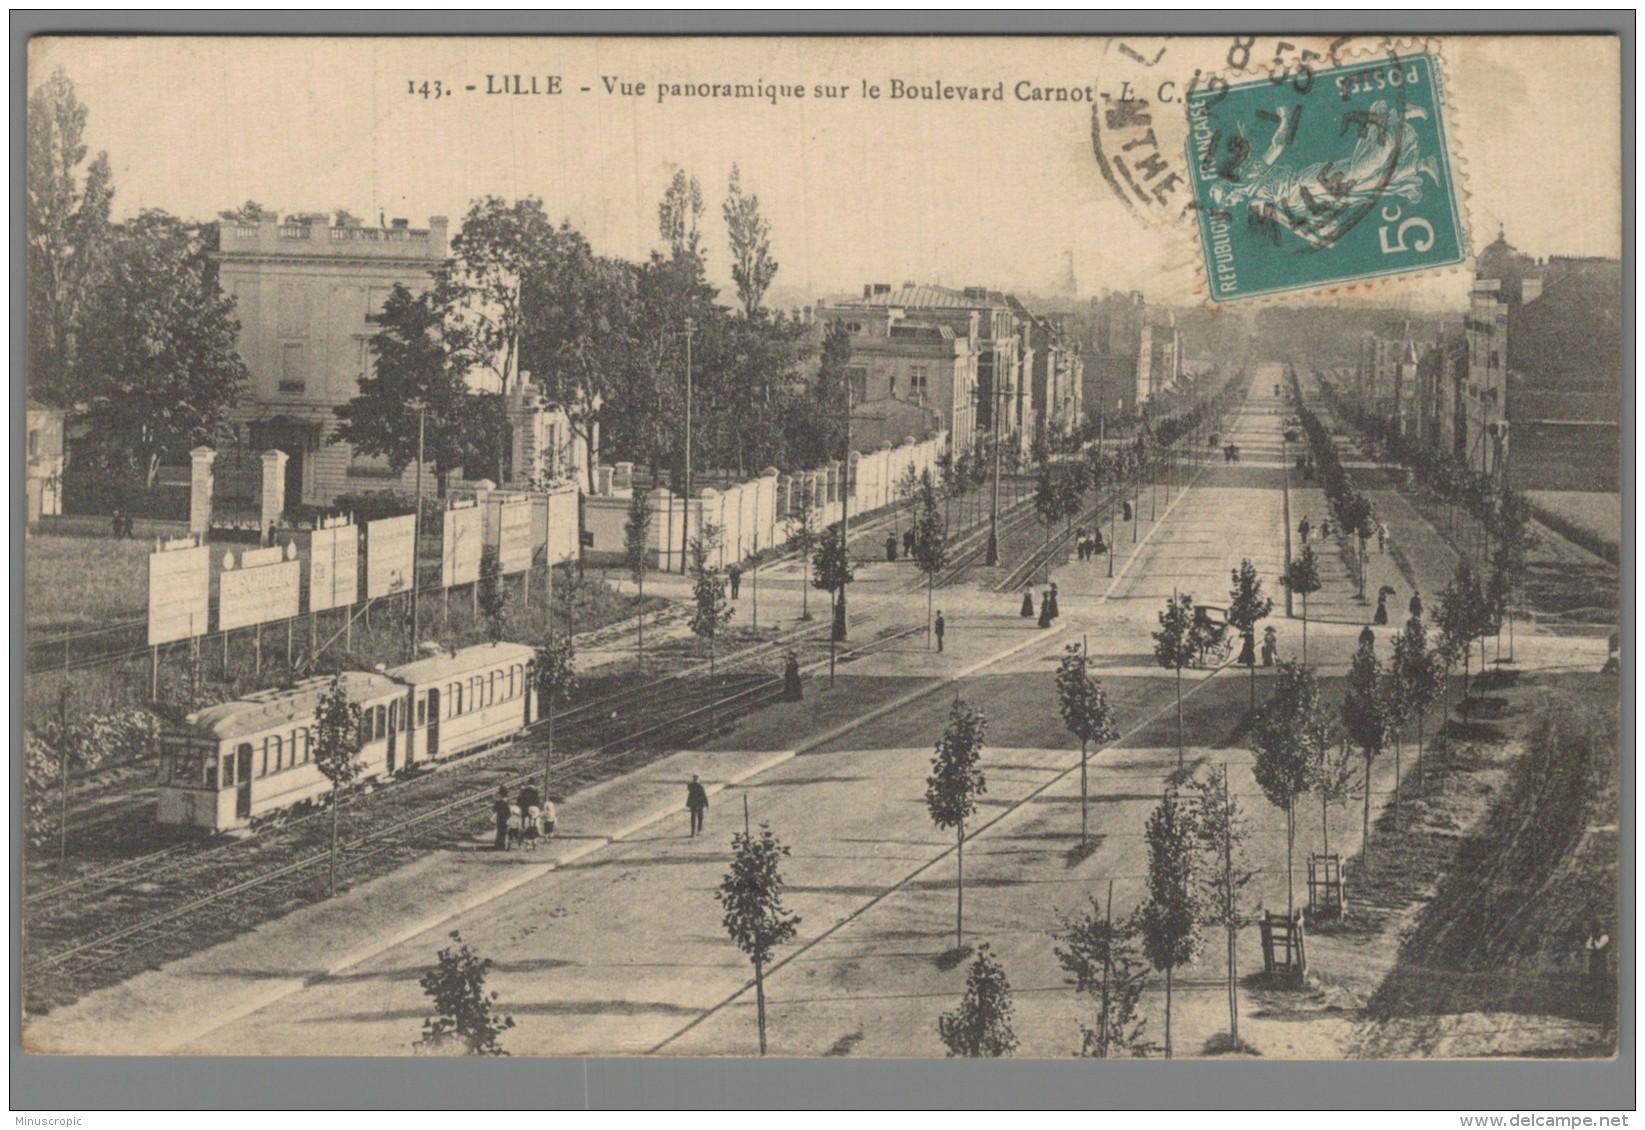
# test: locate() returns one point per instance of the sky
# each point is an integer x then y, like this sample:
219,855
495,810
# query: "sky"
857,189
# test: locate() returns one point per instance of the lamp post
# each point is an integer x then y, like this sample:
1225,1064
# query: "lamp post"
993,554
421,408
685,497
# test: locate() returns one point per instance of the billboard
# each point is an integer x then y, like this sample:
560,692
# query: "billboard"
460,545
390,553
514,534
334,565
179,590
261,586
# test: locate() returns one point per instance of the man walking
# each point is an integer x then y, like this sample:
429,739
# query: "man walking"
735,575
502,811
939,627
696,803
1302,528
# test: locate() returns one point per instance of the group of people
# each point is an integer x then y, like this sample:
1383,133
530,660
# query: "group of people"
525,820
907,544
121,521
1088,543
1230,453
1329,529
1048,604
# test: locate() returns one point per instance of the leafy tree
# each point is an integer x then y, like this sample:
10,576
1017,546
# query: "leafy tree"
251,212
952,789
1223,830
752,267
554,670
1169,921
679,213
751,895
1086,713
930,541
636,535
1104,960
1178,643
337,742
710,610
1334,775
907,492
157,364
415,364
1462,616
67,234
1283,768
466,1021
1367,719
1302,577
831,571
981,1025
1248,607
802,528
493,595
498,244
1416,673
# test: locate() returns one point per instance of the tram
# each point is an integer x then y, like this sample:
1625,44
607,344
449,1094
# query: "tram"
229,764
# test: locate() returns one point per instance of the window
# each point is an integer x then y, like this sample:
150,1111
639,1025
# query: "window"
293,369
858,376
456,697
891,386
276,754
422,711
381,726
394,717
917,383
300,752
491,689
34,442
513,681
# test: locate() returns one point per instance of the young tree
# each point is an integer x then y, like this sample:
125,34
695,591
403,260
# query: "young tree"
1282,768
414,364
1048,503
952,789
156,348
1334,774
710,610
907,492
678,215
466,1021
337,753
752,267
1178,643
831,571
636,535
1461,616
1367,720
1224,872
554,671
1248,607
1104,960
493,595
67,234
802,528
1415,673
930,541
1169,921
1086,713
1302,577
751,895
981,1025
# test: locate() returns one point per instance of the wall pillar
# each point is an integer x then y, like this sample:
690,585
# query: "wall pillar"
274,488
201,482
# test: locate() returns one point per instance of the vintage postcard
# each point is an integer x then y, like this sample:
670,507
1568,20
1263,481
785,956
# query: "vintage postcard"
915,547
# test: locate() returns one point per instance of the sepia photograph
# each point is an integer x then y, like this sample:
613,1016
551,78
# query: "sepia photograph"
811,547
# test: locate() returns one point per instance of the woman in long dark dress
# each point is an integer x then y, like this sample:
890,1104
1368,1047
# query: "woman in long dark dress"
1027,602
1382,611
1051,595
1045,609
1248,649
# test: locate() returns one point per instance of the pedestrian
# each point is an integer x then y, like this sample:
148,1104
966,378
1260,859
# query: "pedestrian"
549,819
735,575
1097,544
1055,609
1045,609
529,798
696,802
908,542
1381,616
1126,511
1247,648
117,524
939,626
1079,543
792,691
270,541
1415,607
1613,657
1302,528
1027,602
1382,537
502,812
1326,529
890,547
1367,638
129,524
1270,646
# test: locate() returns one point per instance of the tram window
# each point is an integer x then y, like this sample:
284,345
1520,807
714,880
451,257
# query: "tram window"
381,727
422,710
276,755
301,752
456,697
394,717
474,684
513,681
491,688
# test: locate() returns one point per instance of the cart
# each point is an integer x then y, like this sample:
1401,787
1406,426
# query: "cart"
1216,641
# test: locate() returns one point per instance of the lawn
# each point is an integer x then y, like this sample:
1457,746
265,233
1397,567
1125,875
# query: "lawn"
1598,513
75,583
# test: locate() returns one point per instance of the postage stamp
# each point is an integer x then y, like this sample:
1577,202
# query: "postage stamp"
1312,178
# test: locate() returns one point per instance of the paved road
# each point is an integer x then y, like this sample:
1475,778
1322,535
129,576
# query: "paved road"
623,951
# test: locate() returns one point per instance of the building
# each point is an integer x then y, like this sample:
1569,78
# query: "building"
1442,370
912,356
43,469
1542,402
1055,371
1133,353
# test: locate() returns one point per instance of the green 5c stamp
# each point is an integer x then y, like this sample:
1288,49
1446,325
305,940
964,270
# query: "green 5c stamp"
1312,178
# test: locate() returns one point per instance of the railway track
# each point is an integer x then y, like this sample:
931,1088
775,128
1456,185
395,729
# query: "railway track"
100,929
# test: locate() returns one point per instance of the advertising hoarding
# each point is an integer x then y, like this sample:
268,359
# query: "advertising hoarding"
390,552
179,591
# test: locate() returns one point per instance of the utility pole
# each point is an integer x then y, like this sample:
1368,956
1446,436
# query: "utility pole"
993,555
685,498
416,532
839,631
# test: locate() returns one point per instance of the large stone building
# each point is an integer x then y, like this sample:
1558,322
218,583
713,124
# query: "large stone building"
1542,402
1132,354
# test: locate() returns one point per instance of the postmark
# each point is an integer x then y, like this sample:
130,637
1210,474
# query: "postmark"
1313,178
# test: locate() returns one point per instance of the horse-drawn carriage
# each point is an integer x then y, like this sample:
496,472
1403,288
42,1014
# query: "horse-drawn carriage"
1216,641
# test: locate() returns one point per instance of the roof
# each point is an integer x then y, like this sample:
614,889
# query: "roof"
267,710
436,668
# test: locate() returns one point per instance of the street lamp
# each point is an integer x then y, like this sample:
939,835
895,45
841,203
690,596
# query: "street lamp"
421,408
685,498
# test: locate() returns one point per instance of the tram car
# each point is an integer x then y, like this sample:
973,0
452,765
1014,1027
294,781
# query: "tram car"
229,764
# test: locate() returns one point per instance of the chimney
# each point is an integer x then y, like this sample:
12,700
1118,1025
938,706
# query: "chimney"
399,223
867,291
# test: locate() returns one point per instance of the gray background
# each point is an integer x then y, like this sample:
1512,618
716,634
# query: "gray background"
63,1083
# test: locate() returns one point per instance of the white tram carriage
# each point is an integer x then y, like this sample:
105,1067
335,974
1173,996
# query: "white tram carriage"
228,764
